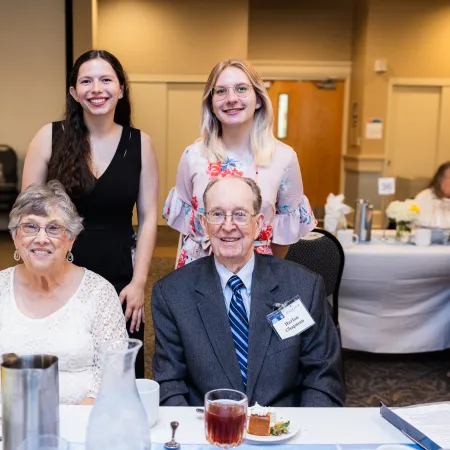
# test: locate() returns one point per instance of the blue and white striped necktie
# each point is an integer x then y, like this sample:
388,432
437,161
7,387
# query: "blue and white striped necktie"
239,324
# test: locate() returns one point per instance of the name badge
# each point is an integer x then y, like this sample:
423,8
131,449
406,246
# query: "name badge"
290,319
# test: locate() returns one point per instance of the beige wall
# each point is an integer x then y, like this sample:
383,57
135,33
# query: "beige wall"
300,30
358,58
413,36
189,37
83,26
32,74
173,36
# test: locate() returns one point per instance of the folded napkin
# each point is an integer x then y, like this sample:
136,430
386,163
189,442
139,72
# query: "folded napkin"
335,211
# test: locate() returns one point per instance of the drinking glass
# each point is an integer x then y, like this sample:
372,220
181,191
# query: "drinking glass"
44,442
440,221
225,417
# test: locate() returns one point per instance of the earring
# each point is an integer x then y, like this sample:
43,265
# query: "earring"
17,255
69,256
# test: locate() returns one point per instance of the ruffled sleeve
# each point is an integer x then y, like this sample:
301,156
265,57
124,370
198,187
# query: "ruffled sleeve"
177,208
294,217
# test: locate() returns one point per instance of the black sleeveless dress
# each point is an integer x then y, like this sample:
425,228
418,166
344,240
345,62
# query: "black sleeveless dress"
105,245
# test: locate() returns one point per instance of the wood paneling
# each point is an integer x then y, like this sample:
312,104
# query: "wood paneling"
414,136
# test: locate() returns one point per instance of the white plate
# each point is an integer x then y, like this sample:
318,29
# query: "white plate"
293,430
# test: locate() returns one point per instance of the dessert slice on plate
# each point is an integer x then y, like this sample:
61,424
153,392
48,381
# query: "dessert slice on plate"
260,420
263,426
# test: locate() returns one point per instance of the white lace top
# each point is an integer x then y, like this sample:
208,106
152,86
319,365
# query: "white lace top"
73,333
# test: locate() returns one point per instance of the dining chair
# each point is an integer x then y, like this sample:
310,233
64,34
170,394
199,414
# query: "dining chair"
8,178
323,254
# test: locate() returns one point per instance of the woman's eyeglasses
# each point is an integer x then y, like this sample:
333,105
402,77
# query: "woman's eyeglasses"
52,230
241,218
242,90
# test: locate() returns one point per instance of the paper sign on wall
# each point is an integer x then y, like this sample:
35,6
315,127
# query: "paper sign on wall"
374,129
386,186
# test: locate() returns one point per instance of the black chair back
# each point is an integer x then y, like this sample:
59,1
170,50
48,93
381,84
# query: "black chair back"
325,257
8,178
8,162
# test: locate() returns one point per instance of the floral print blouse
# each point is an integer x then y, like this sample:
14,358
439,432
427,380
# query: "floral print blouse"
287,213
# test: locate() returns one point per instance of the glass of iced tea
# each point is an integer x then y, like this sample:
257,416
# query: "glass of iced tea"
225,417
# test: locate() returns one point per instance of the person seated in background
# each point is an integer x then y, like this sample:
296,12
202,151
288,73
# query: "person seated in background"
48,305
210,316
434,202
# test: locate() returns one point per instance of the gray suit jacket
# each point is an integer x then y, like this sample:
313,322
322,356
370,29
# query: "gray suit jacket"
194,346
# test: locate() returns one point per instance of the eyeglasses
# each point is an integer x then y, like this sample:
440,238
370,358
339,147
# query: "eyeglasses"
52,230
242,90
241,218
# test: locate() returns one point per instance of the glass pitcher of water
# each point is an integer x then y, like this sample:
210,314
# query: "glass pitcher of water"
118,420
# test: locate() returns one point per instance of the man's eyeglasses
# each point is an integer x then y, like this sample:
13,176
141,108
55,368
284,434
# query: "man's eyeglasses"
241,90
241,218
52,230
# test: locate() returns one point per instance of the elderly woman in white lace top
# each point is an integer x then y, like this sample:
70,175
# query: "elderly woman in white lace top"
50,305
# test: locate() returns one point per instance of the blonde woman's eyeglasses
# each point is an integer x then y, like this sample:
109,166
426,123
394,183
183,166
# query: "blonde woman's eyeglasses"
242,90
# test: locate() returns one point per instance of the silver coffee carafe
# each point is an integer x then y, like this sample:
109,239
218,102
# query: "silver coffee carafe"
30,398
363,220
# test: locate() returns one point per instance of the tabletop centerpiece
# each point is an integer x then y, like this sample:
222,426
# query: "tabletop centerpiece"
405,214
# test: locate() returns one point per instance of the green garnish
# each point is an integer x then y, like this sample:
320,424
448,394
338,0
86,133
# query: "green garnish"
280,428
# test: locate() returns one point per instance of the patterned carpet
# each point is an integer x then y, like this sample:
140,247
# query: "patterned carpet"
397,380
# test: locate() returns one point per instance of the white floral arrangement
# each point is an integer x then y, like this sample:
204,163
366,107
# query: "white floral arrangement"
406,211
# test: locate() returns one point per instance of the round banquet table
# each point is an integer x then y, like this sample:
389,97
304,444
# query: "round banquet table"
395,298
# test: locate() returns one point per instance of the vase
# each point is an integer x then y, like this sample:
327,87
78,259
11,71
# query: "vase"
402,231
118,420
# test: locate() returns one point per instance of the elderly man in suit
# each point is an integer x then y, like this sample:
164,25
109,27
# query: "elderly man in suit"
211,317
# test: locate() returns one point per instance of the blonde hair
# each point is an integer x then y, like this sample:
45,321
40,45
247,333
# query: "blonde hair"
262,140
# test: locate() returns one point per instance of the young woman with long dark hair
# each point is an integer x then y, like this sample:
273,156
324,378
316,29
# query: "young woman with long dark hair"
106,167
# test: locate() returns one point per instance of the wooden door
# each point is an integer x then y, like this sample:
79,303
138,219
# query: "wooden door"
314,131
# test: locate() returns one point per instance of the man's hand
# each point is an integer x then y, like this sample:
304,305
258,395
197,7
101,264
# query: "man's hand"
134,296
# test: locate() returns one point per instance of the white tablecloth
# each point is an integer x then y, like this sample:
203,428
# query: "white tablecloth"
395,298
317,425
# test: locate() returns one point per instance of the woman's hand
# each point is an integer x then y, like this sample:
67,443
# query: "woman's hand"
134,296
87,401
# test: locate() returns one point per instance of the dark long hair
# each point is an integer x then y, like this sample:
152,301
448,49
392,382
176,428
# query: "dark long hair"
436,181
71,152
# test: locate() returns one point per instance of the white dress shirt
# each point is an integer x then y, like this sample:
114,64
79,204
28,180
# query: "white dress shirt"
245,274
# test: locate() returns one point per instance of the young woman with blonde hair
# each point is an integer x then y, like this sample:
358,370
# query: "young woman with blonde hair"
237,139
